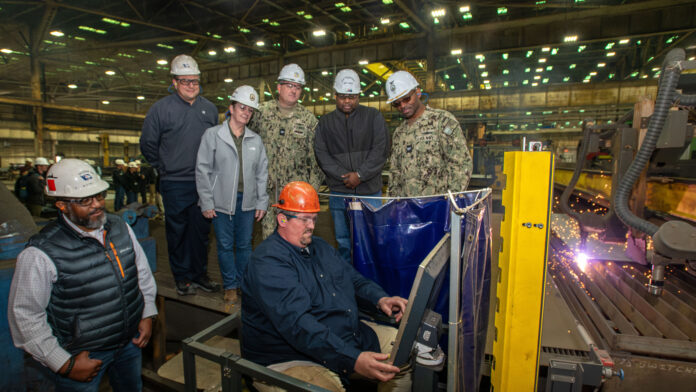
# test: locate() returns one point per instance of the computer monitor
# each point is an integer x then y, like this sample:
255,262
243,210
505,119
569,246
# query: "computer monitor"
424,293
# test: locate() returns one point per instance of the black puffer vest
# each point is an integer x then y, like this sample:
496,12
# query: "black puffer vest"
93,305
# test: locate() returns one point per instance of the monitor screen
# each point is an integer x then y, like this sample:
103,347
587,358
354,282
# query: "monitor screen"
424,292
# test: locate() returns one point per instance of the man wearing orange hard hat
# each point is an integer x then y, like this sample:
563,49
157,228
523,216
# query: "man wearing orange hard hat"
300,305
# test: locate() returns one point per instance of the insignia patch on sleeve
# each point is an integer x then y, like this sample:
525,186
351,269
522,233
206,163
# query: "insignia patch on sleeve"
448,131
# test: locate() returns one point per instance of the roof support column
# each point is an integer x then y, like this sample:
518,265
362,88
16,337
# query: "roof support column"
430,63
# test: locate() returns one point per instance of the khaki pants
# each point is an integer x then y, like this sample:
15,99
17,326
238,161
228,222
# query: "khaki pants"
325,378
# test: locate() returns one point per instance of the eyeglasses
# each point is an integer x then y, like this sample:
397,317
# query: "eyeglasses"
189,82
351,97
87,201
293,86
304,219
245,108
406,99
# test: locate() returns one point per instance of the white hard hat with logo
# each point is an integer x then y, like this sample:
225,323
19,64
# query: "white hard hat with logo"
184,65
73,178
132,164
347,82
292,73
41,161
246,95
399,84
120,162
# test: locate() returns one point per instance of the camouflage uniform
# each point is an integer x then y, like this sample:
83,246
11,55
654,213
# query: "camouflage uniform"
429,156
289,145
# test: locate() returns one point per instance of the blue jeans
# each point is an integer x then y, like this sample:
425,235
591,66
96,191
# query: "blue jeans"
233,237
187,230
337,206
123,365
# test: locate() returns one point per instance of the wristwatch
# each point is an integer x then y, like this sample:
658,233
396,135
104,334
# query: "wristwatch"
358,173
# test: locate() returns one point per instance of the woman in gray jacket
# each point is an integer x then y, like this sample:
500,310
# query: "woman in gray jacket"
231,176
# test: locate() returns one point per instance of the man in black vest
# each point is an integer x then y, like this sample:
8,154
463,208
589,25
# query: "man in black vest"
82,297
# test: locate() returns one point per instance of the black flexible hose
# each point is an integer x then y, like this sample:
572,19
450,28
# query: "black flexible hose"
665,96
689,99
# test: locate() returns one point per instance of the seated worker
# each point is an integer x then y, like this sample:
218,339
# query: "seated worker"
300,306
82,295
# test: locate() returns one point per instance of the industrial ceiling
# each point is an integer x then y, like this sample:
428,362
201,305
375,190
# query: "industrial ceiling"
113,55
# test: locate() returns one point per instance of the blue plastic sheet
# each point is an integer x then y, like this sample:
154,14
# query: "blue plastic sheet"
390,242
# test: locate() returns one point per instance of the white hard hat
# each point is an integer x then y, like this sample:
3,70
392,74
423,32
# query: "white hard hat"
73,178
41,161
399,84
292,73
132,164
347,82
120,162
29,160
137,162
246,95
184,65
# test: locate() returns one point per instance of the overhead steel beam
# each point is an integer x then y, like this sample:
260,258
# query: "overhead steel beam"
135,10
157,26
570,17
412,15
34,103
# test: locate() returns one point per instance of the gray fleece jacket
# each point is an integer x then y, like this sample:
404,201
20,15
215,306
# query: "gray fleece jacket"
217,171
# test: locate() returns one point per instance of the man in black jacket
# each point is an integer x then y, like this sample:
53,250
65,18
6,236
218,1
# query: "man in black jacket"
35,187
351,145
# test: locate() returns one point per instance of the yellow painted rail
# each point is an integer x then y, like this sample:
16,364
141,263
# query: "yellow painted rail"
520,291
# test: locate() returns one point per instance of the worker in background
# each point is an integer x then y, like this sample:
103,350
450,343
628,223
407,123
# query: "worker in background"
351,145
82,296
150,175
299,305
35,187
144,181
119,182
429,154
287,130
171,134
20,187
134,182
231,176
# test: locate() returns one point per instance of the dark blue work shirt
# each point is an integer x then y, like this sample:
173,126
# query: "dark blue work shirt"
303,306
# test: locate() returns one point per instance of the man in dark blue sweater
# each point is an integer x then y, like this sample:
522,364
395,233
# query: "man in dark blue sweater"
300,305
171,135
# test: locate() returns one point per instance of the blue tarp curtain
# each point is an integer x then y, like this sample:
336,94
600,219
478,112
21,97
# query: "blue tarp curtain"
390,242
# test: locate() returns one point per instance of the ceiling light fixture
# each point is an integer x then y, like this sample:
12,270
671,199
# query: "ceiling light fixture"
110,73
456,52
72,85
229,80
162,62
363,62
57,33
230,49
140,97
319,33
438,12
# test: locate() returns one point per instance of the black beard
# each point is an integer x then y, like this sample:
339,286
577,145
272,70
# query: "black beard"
86,222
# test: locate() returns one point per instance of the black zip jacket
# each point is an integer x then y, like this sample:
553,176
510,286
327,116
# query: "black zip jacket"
357,143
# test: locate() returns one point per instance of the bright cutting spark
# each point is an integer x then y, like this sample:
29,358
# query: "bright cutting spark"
581,261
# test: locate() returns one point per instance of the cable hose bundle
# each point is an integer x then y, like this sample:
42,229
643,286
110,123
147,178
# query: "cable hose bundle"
665,96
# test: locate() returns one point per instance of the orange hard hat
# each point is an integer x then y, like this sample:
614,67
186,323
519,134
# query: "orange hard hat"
298,196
